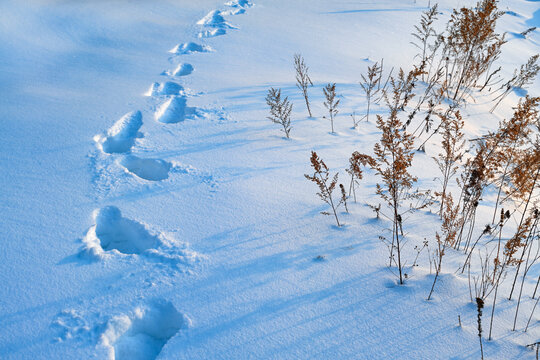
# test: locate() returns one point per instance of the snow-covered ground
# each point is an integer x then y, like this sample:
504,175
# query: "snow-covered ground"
151,210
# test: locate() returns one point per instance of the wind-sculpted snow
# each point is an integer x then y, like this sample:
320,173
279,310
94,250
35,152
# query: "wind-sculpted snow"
121,136
142,333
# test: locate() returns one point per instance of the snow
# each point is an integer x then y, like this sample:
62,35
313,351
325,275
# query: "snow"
172,111
121,136
149,169
189,48
166,88
182,69
142,335
190,232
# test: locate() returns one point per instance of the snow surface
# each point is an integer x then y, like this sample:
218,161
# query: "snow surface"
190,232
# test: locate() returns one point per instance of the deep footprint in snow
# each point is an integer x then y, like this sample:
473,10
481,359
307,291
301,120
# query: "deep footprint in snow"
148,169
174,110
165,89
212,33
182,69
238,7
114,233
121,136
215,19
142,334
190,48
239,4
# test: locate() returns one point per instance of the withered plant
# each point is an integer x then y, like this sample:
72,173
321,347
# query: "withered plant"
510,249
483,286
525,76
280,110
356,162
321,177
511,161
473,45
344,197
424,32
530,261
534,167
479,307
473,182
449,228
303,80
452,151
331,102
393,158
401,90
371,84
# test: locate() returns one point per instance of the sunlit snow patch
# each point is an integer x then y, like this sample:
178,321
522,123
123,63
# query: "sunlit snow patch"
142,334
121,136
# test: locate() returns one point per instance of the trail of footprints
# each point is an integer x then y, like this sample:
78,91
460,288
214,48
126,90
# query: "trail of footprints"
142,333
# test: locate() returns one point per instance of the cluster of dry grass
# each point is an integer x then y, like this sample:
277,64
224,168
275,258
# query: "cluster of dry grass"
453,67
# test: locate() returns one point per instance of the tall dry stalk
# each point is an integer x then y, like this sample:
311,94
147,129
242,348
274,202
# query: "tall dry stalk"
303,81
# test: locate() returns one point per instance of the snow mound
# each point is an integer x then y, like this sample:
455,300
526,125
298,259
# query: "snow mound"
212,33
189,48
166,88
182,69
173,110
215,19
148,169
121,136
239,3
142,334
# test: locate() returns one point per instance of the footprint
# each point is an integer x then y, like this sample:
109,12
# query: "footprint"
174,110
69,324
235,11
182,69
212,33
190,48
141,334
216,20
121,136
114,235
239,4
166,88
148,169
